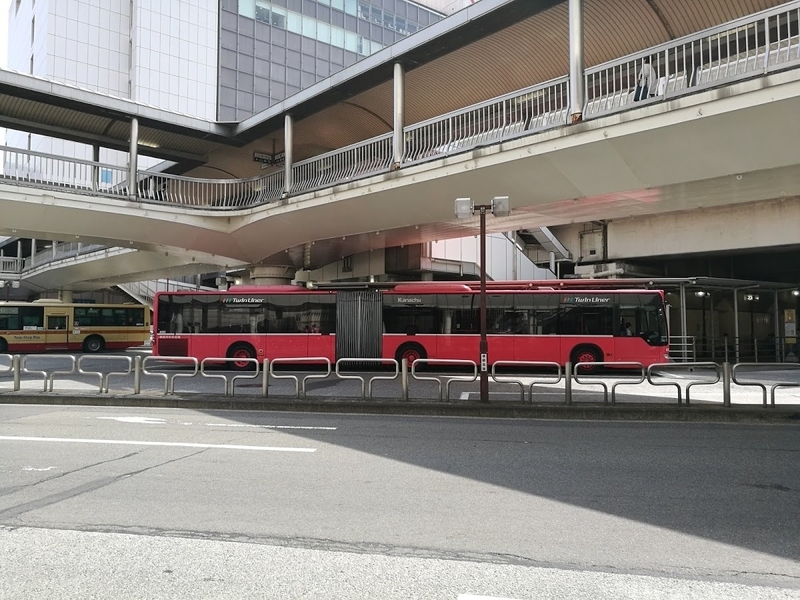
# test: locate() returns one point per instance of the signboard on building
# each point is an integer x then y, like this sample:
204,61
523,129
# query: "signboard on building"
269,160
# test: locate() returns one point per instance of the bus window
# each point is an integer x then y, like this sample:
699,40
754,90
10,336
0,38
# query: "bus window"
412,315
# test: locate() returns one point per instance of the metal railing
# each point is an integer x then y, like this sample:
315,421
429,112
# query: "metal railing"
363,159
748,47
210,193
26,167
681,376
11,264
523,112
682,349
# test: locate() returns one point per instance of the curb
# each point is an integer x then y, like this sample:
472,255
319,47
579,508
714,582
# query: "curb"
787,415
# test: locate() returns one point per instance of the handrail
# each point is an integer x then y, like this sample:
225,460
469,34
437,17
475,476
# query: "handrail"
746,47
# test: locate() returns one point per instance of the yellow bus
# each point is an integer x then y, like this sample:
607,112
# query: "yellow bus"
53,325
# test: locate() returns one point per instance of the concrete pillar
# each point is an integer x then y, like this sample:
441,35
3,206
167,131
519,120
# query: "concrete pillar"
33,251
577,88
95,168
288,145
55,248
684,328
398,146
778,356
65,296
272,275
133,158
736,322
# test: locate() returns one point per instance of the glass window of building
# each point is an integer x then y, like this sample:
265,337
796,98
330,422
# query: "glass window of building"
331,34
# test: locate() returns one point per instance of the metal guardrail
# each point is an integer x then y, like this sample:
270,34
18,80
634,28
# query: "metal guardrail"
17,365
783,366
300,385
450,380
104,377
586,379
526,363
665,367
169,381
748,47
366,385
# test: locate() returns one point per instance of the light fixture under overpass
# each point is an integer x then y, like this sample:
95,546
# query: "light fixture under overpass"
465,209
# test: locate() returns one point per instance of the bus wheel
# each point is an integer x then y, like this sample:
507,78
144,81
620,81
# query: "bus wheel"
93,344
3,346
587,354
243,352
410,353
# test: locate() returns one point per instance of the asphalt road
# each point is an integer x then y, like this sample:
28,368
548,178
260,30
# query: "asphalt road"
168,503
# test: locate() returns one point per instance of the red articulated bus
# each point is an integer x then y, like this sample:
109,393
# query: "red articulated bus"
526,321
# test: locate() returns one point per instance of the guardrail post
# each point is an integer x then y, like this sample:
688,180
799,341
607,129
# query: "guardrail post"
726,384
15,368
568,383
404,379
265,379
137,374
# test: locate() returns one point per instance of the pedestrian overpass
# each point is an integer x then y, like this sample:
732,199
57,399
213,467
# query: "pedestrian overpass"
720,130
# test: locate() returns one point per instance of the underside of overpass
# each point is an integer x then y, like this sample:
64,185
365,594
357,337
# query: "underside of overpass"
726,146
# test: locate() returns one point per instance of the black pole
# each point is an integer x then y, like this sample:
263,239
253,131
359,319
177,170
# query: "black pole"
484,345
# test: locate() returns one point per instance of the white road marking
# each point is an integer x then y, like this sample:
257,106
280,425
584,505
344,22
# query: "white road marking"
471,597
143,443
147,420
269,426
156,421
35,469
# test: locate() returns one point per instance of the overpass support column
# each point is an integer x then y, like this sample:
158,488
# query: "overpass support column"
684,328
133,158
398,146
288,146
33,251
65,296
95,168
272,275
577,89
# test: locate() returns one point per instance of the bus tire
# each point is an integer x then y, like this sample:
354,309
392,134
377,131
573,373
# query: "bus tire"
586,354
241,350
410,352
94,344
3,346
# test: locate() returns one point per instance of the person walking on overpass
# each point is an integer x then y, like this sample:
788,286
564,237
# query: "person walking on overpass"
646,83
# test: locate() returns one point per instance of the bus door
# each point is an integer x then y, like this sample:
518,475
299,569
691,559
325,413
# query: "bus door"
57,332
359,324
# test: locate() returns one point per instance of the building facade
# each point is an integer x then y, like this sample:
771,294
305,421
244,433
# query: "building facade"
159,53
272,49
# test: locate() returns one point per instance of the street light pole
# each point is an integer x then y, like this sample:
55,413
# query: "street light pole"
484,344
500,207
